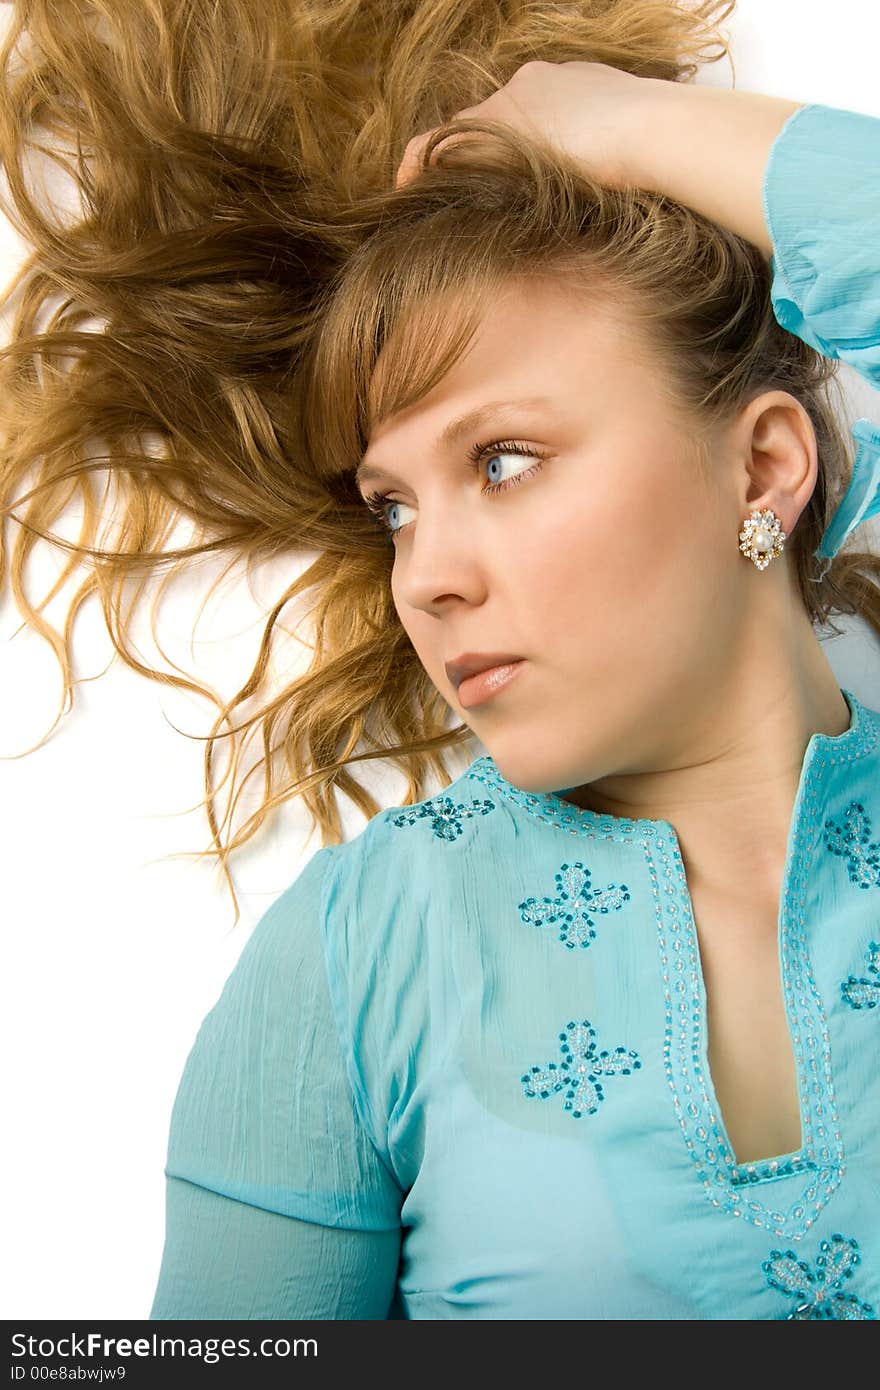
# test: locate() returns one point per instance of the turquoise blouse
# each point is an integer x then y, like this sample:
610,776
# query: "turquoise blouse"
460,1067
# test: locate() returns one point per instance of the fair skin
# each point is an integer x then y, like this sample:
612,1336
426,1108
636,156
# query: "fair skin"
684,683
617,540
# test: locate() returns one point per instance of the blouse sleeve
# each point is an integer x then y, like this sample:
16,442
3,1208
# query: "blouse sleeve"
821,199
278,1204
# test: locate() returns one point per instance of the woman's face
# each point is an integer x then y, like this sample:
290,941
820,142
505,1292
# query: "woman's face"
613,570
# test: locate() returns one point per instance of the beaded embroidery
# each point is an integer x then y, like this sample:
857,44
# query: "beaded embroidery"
579,1070
727,1184
574,904
835,1262
730,1186
864,993
853,843
821,1159
555,810
446,815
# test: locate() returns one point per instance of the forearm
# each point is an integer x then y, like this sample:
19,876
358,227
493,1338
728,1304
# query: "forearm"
707,147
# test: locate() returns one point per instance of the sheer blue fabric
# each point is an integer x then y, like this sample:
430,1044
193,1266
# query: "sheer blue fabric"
460,1068
821,205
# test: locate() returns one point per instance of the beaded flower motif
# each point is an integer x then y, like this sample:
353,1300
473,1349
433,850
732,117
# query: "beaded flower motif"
835,1262
864,992
852,841
574,905
445,815
579,1071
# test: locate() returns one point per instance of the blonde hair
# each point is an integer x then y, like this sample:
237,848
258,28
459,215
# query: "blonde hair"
243,243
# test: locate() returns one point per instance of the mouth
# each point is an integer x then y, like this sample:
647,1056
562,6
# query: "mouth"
473,663
480,687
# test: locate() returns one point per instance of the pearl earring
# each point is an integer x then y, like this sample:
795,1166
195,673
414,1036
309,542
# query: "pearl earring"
761,538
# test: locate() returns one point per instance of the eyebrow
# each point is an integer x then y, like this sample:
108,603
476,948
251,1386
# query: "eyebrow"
453,432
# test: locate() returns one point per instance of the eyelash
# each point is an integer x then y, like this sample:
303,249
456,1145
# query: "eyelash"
378,501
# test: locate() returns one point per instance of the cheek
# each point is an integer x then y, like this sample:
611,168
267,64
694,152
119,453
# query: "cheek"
628,578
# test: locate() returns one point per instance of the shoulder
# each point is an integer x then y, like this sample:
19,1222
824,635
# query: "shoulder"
454,816
404,856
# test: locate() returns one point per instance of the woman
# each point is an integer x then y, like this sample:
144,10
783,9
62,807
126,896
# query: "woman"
604,1051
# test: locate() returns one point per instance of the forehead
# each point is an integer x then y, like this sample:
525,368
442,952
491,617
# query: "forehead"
539,345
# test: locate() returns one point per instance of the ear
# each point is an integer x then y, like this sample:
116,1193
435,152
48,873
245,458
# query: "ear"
774,443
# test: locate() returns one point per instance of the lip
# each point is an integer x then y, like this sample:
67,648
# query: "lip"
471,663
476,689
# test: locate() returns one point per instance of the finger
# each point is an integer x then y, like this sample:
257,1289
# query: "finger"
409,164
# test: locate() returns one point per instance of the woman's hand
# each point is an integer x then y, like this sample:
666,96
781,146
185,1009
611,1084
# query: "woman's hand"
588,111
706,147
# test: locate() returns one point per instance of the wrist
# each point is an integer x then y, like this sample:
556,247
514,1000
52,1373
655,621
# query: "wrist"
708,147
641,157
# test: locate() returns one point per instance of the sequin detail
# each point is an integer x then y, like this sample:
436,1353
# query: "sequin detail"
445,815
737,1188
579,1071
555,810
835,1262
575,905
864,992
852,841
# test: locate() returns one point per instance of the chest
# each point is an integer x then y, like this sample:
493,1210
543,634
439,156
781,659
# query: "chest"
750,1052
565,1131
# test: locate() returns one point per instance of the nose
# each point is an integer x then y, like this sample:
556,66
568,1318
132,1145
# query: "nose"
439,557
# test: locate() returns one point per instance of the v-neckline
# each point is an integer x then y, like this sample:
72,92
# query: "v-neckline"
735,1188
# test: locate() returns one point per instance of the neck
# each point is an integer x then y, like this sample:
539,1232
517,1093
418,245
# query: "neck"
729,783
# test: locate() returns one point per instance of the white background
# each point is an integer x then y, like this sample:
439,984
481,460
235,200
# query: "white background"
113,952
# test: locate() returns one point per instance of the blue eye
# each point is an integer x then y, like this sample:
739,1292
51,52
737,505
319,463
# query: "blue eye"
378,502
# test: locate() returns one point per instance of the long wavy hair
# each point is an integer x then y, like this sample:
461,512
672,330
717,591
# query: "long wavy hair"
243,246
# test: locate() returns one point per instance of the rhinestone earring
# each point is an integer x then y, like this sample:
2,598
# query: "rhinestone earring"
761,538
